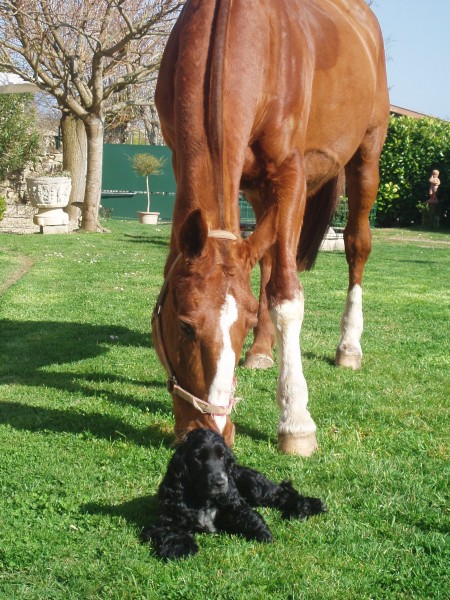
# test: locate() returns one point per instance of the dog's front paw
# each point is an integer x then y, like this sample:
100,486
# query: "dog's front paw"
304,508
263,535
182,547
169,544
146,534
315,506
295,506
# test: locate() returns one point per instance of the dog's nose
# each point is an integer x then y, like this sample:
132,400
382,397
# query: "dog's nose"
220,481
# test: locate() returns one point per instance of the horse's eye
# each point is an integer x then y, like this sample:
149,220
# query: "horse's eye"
187,329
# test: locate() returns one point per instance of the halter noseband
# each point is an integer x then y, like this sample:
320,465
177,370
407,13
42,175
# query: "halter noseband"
172,384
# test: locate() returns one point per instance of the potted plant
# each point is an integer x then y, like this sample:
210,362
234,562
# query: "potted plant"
146,165
50,193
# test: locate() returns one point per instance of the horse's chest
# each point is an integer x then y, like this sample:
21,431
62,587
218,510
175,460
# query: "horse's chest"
206,518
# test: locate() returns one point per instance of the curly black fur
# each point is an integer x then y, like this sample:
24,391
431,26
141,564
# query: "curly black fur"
204,490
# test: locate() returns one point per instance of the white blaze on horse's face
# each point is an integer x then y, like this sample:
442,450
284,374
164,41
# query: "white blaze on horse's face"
221,389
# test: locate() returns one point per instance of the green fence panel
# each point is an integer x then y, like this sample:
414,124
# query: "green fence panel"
124,192
341,214
119,180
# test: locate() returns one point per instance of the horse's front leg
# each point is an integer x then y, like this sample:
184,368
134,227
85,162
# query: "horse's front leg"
297,430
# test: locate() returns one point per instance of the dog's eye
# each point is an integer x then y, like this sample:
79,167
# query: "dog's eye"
187,329
204,454
201,456
220,452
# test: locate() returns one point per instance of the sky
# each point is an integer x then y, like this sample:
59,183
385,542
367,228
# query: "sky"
417,37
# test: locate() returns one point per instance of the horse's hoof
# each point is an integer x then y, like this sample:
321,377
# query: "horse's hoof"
301,444
257,361
349,360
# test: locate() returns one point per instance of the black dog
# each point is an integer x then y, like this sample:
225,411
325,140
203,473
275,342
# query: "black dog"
204,490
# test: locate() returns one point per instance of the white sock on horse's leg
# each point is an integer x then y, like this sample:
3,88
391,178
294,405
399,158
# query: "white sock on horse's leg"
297,430
349,352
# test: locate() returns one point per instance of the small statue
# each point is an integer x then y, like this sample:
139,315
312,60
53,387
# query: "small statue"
435,182
432,219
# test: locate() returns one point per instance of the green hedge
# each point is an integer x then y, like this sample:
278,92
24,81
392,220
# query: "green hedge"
2,207
19,138
413,148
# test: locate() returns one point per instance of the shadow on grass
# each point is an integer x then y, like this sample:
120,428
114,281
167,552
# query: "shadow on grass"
325,358
140,512
34,344
84,384
28,347
419,262
142,239
87,425
255,434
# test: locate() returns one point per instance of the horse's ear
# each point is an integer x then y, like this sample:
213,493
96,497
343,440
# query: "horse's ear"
193,234
264,235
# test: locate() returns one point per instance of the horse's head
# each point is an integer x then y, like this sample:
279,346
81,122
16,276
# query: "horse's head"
203,314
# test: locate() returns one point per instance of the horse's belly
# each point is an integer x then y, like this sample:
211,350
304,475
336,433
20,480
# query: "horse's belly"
320,167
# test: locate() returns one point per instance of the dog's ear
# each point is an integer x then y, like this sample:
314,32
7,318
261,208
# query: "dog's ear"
176,478
230,459
178,466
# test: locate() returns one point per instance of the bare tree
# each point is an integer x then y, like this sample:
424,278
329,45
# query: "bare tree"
86,53
149,116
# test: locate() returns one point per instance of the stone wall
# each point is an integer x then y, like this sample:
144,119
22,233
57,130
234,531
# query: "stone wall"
19,213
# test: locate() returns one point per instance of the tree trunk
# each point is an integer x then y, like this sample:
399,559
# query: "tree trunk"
94,133
75,161
151,124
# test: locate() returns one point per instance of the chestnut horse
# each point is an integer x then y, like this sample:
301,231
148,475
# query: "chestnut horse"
276,98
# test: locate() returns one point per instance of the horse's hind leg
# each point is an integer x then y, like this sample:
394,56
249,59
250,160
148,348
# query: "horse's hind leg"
362,185
259,355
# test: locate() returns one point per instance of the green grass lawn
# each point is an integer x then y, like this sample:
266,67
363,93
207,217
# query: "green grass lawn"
86,430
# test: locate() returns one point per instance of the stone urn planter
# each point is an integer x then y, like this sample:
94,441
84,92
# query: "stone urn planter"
333,240
50,194
148,218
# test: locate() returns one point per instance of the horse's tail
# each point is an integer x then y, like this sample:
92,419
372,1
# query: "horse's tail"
215,89
319,213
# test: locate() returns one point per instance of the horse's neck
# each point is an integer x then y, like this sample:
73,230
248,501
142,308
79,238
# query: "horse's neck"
220,213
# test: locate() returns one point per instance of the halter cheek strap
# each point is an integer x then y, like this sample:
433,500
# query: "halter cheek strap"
172,384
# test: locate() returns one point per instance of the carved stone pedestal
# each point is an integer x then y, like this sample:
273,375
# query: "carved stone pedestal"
50,195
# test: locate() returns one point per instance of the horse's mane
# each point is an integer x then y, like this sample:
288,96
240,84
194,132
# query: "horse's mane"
214,94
